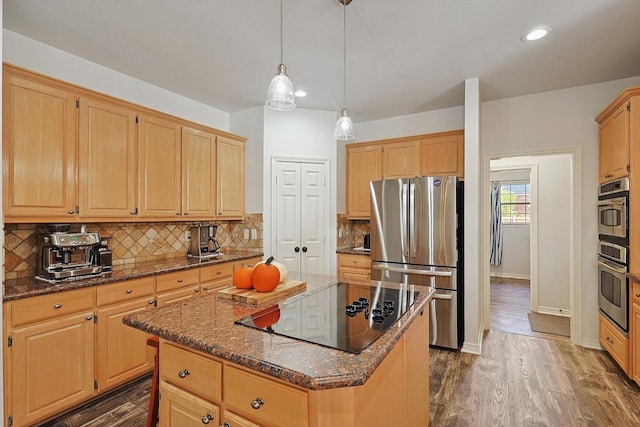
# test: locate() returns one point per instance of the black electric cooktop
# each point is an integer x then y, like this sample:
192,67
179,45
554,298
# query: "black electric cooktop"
345,316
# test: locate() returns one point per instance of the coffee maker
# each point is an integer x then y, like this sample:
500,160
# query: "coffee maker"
66,255
203,242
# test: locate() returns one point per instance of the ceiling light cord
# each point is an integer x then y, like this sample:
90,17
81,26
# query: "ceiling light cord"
344,126
344,54
281,44
281,93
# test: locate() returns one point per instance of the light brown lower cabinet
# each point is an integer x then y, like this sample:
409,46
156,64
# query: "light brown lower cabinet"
396,394
51,355
615,343
354,266
122,352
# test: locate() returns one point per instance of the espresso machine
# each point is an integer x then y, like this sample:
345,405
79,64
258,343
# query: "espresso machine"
203,242
67,255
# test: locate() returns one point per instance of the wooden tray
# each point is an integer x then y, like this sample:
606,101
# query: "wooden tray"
251,296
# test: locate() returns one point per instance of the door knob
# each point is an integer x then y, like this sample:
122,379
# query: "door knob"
304,249
297,249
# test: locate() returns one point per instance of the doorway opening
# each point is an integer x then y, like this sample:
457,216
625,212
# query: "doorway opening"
536,276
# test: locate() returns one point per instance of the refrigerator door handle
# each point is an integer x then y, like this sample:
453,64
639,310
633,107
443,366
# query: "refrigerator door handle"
412,218
413,271
403,219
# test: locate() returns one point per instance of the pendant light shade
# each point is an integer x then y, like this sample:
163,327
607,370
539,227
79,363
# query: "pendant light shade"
280,95
344,127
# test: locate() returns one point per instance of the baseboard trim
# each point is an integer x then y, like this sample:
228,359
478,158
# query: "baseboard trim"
591,343
511,276
474,348
554,311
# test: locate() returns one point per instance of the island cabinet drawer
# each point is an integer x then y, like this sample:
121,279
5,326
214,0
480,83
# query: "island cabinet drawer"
216,271
250,262
35,309
264,401
192,372
360,261
169,281
124,291
616,344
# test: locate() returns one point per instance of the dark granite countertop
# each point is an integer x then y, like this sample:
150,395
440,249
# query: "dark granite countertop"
207,324
29,287
353,251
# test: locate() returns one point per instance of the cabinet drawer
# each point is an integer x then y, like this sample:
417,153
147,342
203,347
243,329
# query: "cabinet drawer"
166,282
616,344
124,291
280,405
250,262
216,271
43,307
191,372
360,261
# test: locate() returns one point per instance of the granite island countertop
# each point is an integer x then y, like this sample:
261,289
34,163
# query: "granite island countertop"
30,287
352,250
207,325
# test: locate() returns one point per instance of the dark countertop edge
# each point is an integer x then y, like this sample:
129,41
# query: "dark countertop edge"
353,378
119,273
352,251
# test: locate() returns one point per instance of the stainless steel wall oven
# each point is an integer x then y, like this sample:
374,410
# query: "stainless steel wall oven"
613,261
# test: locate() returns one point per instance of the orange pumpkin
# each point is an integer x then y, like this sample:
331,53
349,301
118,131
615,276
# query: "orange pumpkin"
242,278
267,317
265,276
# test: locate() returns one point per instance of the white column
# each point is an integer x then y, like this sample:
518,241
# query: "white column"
473,307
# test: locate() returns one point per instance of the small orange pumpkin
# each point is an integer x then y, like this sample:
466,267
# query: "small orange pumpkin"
242,278
265,276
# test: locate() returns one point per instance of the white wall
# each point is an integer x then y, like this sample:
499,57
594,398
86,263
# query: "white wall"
301,134
36,56
515,237
551,121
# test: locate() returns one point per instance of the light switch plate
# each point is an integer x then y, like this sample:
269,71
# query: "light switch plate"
246,234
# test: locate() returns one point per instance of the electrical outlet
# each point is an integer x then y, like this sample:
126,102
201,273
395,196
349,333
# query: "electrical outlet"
187,236
254,233
246,234
340,233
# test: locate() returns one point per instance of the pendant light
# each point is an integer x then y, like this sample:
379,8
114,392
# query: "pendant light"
344,126
280,95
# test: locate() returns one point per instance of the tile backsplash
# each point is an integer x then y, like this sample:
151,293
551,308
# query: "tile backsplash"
352,232
130,242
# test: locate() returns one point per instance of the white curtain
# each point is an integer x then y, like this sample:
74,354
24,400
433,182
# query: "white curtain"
496,225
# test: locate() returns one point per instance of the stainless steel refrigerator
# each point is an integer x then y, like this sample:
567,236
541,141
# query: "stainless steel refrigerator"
416,238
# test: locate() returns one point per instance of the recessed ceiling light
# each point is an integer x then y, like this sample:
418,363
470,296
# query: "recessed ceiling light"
536,34
300,94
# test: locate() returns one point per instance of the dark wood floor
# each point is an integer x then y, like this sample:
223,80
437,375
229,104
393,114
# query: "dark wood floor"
519,380
510,303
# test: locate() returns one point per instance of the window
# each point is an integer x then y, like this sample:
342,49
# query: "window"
516,203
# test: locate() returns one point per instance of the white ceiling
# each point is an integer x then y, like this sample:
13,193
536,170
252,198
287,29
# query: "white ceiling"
403,56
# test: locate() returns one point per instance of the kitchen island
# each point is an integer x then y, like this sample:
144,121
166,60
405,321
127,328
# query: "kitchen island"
214,370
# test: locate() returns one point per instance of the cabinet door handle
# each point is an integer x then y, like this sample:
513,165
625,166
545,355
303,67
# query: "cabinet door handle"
152,301
207,419
134,211
218,272
71,211
637,295
178,213
257,403
180,280
186,213
196,290
183,373
89,317
609,340
205,288
57,306
129,291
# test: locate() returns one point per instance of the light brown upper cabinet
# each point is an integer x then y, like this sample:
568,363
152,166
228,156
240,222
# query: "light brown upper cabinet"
442,154
39,150
75,155
401,160
421,155
230,178
159,168
614,143
364,164
107,161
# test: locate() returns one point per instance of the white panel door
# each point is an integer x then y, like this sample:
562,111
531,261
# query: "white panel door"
302,216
